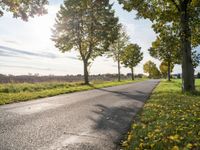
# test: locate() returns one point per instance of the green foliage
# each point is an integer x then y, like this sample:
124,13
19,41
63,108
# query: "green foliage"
87,26
163,11
132,55
164,68
23,8
183,16
167,46
116,48
15,92
151,68
169,120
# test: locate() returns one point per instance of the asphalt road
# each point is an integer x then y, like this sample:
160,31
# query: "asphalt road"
89,120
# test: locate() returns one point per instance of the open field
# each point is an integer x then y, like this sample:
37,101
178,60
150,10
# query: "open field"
169,120
15,92
35,78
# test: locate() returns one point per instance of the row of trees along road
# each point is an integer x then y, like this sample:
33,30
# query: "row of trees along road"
166,47
151,68
124,52
87,26
184,14
91,28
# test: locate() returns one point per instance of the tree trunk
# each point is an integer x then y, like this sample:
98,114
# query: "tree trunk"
119,74
169,71
187,67
86,75
132,74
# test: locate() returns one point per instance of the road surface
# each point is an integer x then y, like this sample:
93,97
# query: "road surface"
89,120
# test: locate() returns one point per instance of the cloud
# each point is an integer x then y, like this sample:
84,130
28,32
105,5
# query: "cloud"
17,52
11,42
25,67
12,52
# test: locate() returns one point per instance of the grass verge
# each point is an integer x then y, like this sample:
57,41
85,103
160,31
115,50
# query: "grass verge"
169,120
16,92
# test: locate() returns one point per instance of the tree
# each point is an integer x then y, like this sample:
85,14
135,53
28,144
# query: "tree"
165,69
156,73
116,48
166,48
23,8
150,68
87,26
131,56
186,14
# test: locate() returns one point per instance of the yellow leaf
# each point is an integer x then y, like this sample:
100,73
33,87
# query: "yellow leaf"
129,137
125,144
175,148
141,145
174,138
189,145
134,126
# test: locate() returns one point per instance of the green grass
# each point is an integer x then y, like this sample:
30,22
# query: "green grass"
16,92
169,120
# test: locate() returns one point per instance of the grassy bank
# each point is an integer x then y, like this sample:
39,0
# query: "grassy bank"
15,92
169,120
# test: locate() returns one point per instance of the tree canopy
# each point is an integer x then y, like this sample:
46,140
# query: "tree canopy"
131,56
87,26
166,47
164,68
117,47
184,14
23,8
151,68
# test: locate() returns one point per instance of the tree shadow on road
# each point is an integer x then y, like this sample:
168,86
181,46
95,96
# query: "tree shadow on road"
140,96
113,122
118,118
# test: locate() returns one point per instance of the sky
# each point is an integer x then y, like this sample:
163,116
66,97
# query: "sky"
26,47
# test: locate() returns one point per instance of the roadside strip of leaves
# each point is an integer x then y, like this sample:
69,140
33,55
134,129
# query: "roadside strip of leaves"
169,120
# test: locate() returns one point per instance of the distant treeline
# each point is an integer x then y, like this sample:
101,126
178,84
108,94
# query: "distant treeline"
53,78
